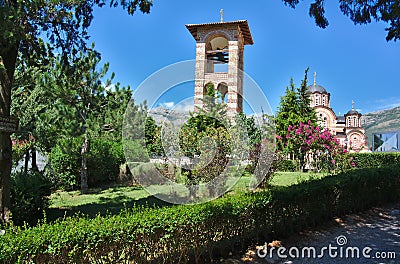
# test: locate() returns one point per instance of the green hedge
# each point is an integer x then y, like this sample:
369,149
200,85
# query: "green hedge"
184,233
375,159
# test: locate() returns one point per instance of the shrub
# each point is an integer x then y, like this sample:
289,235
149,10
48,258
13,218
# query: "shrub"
287,165
375,159
29,196
64,160
185,233
104,160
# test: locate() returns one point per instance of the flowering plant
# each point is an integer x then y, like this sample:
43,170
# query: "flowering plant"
316,147
20,147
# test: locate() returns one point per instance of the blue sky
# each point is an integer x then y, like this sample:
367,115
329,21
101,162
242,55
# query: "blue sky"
352,62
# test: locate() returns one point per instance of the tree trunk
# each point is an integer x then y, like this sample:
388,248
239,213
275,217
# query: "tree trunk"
8,59
84,174
5,175
27,158
34,160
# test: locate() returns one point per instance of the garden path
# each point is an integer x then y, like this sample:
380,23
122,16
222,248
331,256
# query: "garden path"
378,229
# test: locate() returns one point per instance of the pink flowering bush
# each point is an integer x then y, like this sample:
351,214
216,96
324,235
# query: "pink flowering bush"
317,147
20,147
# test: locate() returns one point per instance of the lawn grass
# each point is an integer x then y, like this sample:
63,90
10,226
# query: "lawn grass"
291,178
111,200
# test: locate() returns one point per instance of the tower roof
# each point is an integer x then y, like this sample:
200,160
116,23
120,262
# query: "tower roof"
242,24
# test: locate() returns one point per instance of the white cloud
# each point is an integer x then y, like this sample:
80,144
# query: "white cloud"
184,106
388,103
168,104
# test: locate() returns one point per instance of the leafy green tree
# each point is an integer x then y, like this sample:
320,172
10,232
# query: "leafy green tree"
108,121
360,12
78,86
205,137
134,130
29,102
23,26
153,137
254,135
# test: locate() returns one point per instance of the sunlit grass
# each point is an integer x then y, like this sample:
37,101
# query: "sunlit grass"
291,178
63,199
115,198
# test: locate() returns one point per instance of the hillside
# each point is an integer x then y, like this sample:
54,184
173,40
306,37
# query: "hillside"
162,114
381,121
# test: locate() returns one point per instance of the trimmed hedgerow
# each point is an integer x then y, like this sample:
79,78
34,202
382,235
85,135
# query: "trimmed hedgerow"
375,159
184,233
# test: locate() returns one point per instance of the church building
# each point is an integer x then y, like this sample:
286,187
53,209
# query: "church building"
347,129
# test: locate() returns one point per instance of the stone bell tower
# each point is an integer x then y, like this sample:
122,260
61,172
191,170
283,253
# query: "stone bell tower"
219,60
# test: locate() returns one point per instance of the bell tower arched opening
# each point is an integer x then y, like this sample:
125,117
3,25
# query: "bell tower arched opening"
217,50
222,89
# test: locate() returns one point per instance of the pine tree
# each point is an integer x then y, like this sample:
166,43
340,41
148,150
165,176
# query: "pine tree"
24,26
288,114
81,95
294,108
305,109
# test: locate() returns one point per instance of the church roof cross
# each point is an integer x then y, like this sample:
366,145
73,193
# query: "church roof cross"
315,78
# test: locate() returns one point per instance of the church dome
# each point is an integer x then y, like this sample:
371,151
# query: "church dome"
352,112
316,88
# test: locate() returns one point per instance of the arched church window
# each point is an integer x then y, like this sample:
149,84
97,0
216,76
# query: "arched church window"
323,100
355,121
325,122
348,122
316,100
355,142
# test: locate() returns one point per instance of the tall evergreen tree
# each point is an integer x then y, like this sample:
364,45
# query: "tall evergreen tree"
293,108
79,87
306,111
29,101
288,114
23,26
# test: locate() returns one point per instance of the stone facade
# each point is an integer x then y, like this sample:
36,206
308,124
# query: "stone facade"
347,129
221,44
